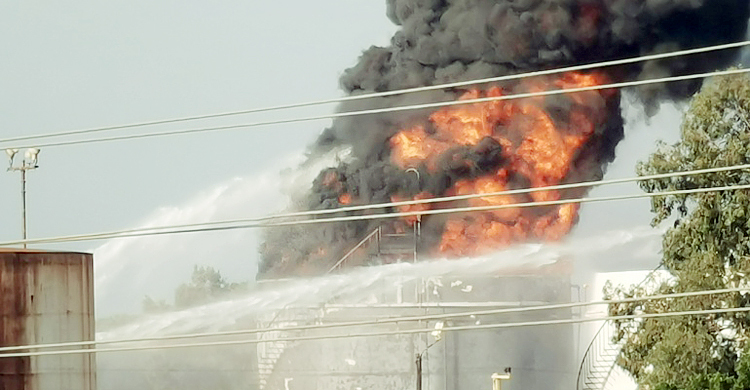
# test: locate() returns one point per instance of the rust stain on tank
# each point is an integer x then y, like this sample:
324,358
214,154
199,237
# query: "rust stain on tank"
38,290
14,284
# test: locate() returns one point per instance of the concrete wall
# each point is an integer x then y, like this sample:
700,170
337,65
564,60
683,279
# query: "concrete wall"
46,297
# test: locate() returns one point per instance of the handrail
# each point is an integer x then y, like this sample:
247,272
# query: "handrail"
346,256
589,350
586,355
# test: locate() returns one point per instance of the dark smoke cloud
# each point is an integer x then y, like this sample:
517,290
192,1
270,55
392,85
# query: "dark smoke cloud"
443,41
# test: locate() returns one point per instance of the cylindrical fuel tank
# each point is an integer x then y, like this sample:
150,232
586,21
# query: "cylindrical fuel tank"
46,297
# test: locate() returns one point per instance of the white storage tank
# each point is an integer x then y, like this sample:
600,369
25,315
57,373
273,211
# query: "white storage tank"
46,297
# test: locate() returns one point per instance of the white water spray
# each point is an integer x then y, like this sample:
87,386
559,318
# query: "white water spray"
363,285
129,269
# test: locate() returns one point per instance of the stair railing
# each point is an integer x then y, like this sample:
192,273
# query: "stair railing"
599,360
270,349
600,357
376,235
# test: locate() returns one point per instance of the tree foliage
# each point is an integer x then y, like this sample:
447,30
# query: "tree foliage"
206,284
707,248
739,380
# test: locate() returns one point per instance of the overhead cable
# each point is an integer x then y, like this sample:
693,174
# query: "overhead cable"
430,200
393,109
416,202
391,93
504,325
379,321
101,236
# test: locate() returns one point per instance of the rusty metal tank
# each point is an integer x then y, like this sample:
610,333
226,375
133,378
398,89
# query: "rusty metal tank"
46,297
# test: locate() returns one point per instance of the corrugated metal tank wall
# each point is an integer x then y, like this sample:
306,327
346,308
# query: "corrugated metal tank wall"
46,297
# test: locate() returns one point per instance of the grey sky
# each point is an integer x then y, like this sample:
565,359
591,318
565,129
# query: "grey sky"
84,63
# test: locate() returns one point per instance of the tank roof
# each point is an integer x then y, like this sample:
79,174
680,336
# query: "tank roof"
39,251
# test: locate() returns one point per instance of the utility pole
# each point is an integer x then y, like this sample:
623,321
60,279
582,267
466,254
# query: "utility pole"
28,163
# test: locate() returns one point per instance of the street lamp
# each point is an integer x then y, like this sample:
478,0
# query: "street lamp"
29,162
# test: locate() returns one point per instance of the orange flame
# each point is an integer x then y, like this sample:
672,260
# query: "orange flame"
539,149
345,198
414,146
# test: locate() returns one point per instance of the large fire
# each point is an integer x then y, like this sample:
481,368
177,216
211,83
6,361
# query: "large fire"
499,144
538,148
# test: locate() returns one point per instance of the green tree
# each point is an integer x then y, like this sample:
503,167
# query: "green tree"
205,285
707,248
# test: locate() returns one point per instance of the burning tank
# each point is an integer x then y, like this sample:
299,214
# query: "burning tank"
494,145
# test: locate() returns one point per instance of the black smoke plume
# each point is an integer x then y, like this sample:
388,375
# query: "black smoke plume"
441,41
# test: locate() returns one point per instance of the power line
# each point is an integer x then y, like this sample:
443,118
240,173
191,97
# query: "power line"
421,201
100,236
387,333
390,93
394,109
379,321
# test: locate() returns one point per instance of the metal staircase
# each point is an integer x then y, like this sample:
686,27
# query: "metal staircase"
269,352
382,246
599,370
599,361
